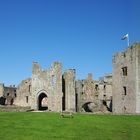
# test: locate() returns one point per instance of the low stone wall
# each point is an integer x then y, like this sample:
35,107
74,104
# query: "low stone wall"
13,109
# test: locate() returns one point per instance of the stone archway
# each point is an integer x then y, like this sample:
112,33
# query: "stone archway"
86,107
42,101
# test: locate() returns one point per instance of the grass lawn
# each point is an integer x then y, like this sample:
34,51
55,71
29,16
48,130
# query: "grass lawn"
50,126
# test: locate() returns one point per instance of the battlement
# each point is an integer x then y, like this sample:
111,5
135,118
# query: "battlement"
128,54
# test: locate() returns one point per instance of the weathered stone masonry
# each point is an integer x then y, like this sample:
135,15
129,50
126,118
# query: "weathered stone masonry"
52,90
7,94
126,80
48,84
69,78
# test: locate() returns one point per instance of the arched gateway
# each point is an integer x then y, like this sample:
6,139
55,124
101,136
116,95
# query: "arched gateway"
42,101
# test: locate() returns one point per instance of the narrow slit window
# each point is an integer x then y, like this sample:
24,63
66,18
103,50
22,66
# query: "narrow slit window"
104,88
96,87
124,70
27,99
125,90
29,88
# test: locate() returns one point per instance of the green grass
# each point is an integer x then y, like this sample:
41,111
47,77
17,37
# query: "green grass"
50,126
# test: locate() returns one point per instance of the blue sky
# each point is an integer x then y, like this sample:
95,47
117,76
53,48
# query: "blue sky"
82,34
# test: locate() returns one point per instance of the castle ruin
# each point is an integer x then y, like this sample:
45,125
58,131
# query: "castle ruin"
126,80
52,90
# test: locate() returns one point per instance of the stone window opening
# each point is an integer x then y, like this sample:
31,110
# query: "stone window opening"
124,55
104,88
27,99
8,94
15,93
29,88
125,90
52,79
125,109
96,87
124,70
11,101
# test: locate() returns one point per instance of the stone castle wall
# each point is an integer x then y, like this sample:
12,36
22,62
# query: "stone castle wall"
24,93
91,94
7,94
51,90
48,82
126,84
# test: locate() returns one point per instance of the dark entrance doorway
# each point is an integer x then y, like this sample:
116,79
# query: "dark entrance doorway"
42,102
86,107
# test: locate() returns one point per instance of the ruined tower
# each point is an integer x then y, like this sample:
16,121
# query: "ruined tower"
69,79
126,80
47,88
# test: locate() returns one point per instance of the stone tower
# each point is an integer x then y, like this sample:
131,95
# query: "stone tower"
47,88
69,79
126,80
